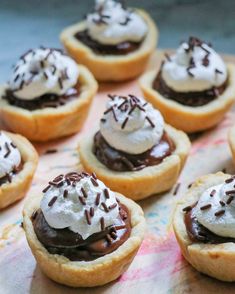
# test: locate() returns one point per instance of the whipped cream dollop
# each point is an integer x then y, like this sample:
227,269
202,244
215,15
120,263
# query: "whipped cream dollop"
194,67
215,209
10,157
131,125
81,203
111,24
43,71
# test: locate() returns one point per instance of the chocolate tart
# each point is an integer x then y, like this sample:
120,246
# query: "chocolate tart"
15,189
190,118
111,67
86,273
215,260
50,122
141,183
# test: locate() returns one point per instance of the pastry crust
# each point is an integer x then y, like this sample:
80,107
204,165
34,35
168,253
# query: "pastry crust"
11,192
111,67
215,260
187,118
143,183
51,123
91,273
231,140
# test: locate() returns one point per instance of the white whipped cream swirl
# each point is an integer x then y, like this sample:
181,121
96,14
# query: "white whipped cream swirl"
9,155
223,204
131,125
69,210
111,24
194,67
43,71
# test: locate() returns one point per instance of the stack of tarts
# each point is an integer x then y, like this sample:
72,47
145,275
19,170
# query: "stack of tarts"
48,95
114,42
81,233
133,151
193,88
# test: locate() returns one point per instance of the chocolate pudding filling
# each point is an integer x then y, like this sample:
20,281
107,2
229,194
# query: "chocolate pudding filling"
122,48
194,99
199,233
121,161
47,100
71,245
8,178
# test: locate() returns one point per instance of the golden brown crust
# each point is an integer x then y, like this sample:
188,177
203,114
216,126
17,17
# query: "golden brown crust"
14,191
86,274
218,260
146,182
51,123
111,68
231,141
186,118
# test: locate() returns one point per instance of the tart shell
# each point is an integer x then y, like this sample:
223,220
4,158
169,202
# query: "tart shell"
51,123
215,260
187,118
143,183
86,273
14,191
111,67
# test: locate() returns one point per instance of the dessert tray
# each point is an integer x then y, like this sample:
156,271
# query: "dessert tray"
159,266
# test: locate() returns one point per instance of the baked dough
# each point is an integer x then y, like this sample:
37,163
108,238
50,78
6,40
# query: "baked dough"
187,118
143,183
11,192
231,140
111,67
50,123
81,273
215,260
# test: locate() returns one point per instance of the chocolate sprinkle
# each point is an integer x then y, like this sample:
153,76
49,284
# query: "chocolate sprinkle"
105,207
187,208
94,182
92,211
176,189
52,201
84,192
220,212
222,203
207,206
65,194
113,206
124,122
106,193
82,200
88,218
102,223
212,193
46,189
97,200
150,122
230,199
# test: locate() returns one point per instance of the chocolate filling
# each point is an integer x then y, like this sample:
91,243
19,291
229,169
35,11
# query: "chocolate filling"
122,48
71,245
197,98
47,100
199,233
8,178
121,161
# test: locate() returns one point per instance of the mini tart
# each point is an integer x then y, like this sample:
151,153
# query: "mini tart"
111,67
231,140
86,273
187,118
215,260
51,123
16,190
143,183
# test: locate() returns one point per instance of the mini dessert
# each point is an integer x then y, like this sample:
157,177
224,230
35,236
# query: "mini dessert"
204,226
81,233
48,95
231,140
114,42
18,162
193,88
134,152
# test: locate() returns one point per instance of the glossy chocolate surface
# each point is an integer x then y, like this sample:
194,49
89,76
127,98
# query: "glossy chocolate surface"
121,161
198,233
119,49
67,243
194,99
47,100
